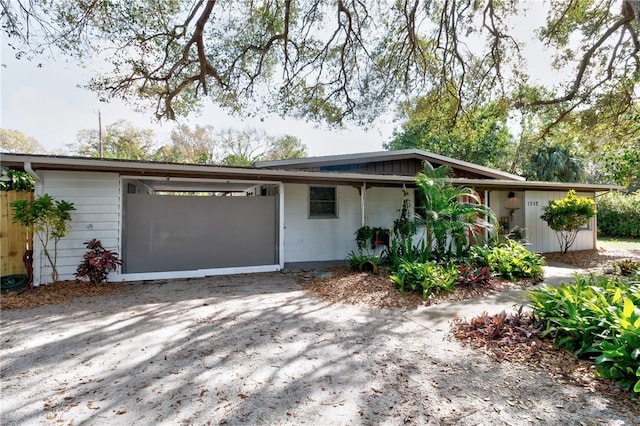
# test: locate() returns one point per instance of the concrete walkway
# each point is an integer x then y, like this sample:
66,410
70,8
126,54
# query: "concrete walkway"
437,317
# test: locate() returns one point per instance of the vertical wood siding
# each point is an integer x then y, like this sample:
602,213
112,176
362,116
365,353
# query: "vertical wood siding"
542,238
96,197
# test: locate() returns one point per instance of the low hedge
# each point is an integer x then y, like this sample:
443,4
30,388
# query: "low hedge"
619,215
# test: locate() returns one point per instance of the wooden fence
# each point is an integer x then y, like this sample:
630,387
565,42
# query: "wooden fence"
13,236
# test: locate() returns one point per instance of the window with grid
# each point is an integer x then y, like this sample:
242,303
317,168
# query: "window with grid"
322,202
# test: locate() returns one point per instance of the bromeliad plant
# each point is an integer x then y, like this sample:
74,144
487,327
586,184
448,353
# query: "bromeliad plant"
517,327
97,262
473,276
627,267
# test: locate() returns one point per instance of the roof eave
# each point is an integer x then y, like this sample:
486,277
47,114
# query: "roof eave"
137,168
535,185
401,154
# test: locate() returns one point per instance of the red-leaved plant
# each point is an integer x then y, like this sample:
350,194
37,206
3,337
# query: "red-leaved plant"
471,275
97,262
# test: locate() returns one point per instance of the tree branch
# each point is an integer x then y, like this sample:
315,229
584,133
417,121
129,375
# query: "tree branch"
582,67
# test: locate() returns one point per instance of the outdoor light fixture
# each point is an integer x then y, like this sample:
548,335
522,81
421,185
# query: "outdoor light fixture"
513,203
5,174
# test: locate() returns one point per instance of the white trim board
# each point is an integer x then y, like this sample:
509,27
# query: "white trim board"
199,273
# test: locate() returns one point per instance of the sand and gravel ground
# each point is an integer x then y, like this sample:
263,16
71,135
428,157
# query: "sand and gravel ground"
264,349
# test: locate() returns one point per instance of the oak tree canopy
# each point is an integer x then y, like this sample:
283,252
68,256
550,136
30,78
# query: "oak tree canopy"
332,61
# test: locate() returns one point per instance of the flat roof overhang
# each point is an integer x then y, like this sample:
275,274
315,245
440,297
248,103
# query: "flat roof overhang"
194,171
143,169
493,185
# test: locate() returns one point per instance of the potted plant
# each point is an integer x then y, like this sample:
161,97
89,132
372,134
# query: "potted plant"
364,235
404,227
380,237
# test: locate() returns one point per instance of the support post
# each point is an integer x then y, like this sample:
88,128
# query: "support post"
363,204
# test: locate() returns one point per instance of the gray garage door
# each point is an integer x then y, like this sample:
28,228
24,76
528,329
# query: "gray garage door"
182,233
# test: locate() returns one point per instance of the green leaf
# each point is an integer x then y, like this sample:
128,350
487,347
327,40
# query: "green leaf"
628,308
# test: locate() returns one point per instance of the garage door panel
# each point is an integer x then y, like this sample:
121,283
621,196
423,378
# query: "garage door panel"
179,233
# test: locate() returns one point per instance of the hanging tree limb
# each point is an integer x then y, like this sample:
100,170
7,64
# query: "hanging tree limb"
328,61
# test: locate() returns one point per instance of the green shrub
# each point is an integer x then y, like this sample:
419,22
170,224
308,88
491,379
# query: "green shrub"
427,278
620,354
566,216
597,318
49,220
510,260
619,215
17,181
478,255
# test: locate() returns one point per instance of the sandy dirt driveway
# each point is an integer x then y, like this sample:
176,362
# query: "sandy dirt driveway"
256,349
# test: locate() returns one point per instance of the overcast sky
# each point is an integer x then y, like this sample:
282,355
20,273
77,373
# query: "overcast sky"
46,103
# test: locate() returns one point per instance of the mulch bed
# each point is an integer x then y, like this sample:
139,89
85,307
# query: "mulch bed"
597,261
348,287
58,292
343,287
521,344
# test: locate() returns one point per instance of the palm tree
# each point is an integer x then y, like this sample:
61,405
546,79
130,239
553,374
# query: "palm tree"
453,216
557,164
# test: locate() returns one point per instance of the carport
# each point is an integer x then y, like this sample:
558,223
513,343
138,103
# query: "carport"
172,225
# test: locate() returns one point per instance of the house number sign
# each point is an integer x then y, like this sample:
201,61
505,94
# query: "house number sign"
532,203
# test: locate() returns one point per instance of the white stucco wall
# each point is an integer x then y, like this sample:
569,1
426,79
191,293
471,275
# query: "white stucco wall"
319,239
542,238
96,197
383,206
311,239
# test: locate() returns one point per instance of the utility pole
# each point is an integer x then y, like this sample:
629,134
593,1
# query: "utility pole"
100,132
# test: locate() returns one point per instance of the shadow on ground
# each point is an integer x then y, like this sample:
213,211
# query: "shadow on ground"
256,349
